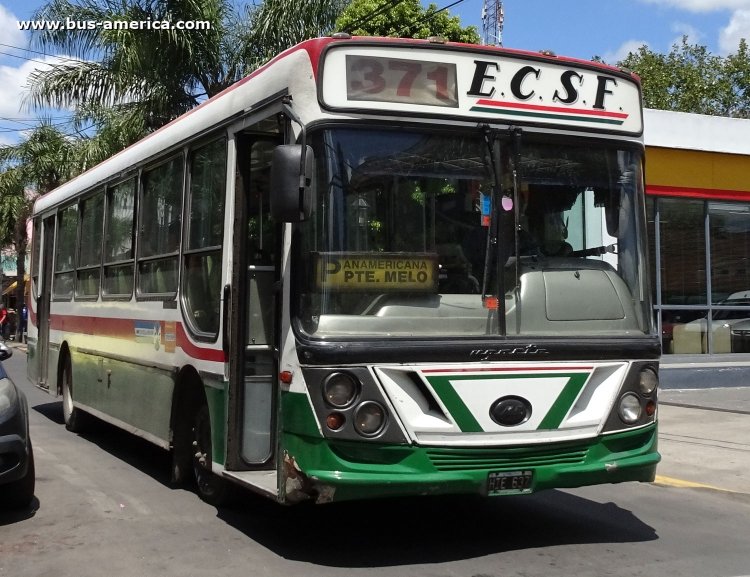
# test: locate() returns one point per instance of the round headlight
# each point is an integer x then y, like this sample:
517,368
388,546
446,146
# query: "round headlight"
340,389
369,419
629,408
648,381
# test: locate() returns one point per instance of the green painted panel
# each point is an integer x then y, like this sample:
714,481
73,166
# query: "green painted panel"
468,424
456,407
216,397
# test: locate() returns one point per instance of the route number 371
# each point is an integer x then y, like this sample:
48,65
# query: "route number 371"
396,80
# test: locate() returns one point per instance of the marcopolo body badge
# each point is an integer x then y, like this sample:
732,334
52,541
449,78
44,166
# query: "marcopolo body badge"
510,411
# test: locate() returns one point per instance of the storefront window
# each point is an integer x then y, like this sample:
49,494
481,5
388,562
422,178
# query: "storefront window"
689,323
683,252
730,251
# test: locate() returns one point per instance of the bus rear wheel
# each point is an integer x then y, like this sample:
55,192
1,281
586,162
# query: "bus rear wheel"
74,417
210,487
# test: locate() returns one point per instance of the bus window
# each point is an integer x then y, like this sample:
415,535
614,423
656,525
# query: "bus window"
202,255
118,243
36,240
65,253
90,248
160,222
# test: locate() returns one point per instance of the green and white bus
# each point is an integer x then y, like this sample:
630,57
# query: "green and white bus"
374,267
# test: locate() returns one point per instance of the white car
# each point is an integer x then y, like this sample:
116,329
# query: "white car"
730,329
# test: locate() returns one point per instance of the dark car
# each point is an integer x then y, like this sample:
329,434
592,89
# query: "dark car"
17,478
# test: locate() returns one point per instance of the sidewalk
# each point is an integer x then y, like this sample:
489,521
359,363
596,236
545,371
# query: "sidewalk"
706,445
15,345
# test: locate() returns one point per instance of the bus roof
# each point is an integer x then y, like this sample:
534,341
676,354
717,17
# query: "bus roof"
233,102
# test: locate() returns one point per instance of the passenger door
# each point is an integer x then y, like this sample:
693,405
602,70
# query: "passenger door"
253,364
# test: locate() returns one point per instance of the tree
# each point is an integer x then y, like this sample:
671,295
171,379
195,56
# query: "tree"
34,166
276,25
158,73
405,19
129,82
691,79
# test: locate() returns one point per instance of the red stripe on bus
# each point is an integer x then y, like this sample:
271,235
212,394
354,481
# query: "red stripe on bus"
195,351
704,193
507,369
125,329
540,108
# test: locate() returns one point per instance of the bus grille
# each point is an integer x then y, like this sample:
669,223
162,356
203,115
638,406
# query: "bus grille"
475,459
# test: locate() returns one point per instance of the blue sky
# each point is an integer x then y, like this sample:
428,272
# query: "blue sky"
576,28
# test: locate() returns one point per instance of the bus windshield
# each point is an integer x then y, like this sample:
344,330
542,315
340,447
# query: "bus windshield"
420,233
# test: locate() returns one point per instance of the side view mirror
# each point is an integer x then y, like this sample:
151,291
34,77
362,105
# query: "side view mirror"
291,180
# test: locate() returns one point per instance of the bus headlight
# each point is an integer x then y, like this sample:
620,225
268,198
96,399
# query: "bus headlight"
369,419
629,408
340,390
648,381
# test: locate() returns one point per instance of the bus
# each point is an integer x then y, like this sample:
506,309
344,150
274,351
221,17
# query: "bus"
374,267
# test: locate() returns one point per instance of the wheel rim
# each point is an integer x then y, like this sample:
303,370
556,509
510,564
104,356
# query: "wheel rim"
67,394
202,453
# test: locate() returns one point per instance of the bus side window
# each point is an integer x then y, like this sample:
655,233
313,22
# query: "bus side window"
160,222
65,246
90,246
118,239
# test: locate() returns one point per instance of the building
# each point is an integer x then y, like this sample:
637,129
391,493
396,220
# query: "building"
698,209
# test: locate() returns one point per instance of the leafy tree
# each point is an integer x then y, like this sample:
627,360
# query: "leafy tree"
405,18
691,79
276,25
34,166
159,74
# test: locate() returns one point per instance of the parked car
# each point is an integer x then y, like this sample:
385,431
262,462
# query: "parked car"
730,328
17,477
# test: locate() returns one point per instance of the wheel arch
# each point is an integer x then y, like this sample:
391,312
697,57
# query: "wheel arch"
63,356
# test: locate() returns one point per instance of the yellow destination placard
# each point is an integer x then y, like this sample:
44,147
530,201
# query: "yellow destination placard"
376,271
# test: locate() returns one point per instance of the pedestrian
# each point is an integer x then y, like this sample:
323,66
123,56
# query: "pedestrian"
3,320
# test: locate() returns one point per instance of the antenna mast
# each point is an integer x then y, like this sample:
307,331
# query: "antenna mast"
493,18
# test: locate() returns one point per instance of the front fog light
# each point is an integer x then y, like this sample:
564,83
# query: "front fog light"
648,381
369,419
340,389
629,408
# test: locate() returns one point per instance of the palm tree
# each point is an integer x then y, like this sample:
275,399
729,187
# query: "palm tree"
275,25
158,74
130,82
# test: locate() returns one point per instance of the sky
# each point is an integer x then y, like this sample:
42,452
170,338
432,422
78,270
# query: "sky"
575,28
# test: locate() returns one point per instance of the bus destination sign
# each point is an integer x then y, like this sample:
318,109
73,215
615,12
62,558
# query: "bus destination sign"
382,272
503,86
370,78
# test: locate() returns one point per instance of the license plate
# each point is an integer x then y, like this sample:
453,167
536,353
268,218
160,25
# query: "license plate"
509,482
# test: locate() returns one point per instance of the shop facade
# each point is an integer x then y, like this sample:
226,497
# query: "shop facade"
698,209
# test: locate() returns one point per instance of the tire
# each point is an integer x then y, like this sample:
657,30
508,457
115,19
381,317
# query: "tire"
210,487
75,419
20,493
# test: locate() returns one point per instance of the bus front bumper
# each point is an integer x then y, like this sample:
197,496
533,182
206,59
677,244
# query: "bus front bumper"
327,471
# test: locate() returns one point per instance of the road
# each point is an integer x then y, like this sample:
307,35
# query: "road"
105,507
